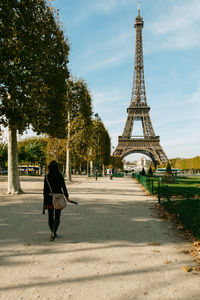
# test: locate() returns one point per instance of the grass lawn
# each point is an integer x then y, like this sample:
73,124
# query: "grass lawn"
181,198
183,186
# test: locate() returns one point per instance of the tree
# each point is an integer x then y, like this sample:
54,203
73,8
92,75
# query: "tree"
99,148
116,162
33,58
143,173
32,151
168,169
168,176
104,146
79,109
56,150
150,172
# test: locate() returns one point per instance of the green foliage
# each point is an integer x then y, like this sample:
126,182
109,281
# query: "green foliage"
3,155
143,173
79,107
116,162
31,151
33,59
169,176
150,172
168,168
100,134
104,144
55,150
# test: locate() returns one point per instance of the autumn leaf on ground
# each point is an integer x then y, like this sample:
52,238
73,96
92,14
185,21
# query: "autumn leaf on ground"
196,269
194,252
180,227
167,261
156,251
187,269
186,251
153,244
196,244
156,244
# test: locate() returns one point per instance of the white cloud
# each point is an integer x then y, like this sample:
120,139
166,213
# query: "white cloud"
105,97
179,28
106,63
113,52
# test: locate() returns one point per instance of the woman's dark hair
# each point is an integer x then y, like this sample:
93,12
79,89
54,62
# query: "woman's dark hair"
53,167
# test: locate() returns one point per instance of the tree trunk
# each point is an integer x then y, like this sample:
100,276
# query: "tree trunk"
13,170
91,168
103,170
68,173
80,169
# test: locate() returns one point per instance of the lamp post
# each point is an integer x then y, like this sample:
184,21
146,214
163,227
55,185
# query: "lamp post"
97,119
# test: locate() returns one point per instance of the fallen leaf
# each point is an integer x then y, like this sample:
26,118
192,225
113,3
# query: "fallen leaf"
196,244
196,269
153,244
194,254
186,269
167,261
186,251
180,227
156,244
156,251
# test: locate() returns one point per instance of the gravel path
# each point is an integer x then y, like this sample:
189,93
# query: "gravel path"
104,250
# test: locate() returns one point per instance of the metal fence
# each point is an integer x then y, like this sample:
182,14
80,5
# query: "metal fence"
147,182
185,205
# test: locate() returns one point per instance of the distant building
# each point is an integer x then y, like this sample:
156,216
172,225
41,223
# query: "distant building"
143,162
137,165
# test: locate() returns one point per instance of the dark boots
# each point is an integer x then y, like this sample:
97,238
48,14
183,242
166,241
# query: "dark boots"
54,229
54,221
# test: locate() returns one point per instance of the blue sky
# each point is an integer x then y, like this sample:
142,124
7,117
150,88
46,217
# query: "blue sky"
102,41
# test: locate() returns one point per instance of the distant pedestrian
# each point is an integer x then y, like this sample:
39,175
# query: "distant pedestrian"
57,185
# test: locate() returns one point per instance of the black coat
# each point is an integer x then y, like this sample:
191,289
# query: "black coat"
57,184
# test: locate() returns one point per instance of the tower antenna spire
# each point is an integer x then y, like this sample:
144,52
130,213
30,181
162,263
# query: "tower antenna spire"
139,4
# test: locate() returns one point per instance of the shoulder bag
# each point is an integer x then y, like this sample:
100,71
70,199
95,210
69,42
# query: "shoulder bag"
59,200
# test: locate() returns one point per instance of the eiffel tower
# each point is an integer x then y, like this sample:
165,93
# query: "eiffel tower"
149,143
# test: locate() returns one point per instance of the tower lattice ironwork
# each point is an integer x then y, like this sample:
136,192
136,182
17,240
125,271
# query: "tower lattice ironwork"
138,110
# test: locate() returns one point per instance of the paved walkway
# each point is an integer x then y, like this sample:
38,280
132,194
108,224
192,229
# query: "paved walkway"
104,251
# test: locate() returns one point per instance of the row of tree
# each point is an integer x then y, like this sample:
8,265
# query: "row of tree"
37,90
39,151
186,164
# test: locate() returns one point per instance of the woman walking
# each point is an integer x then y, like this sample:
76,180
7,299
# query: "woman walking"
54,181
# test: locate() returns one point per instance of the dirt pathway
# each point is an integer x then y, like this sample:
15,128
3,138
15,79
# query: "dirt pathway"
104,251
